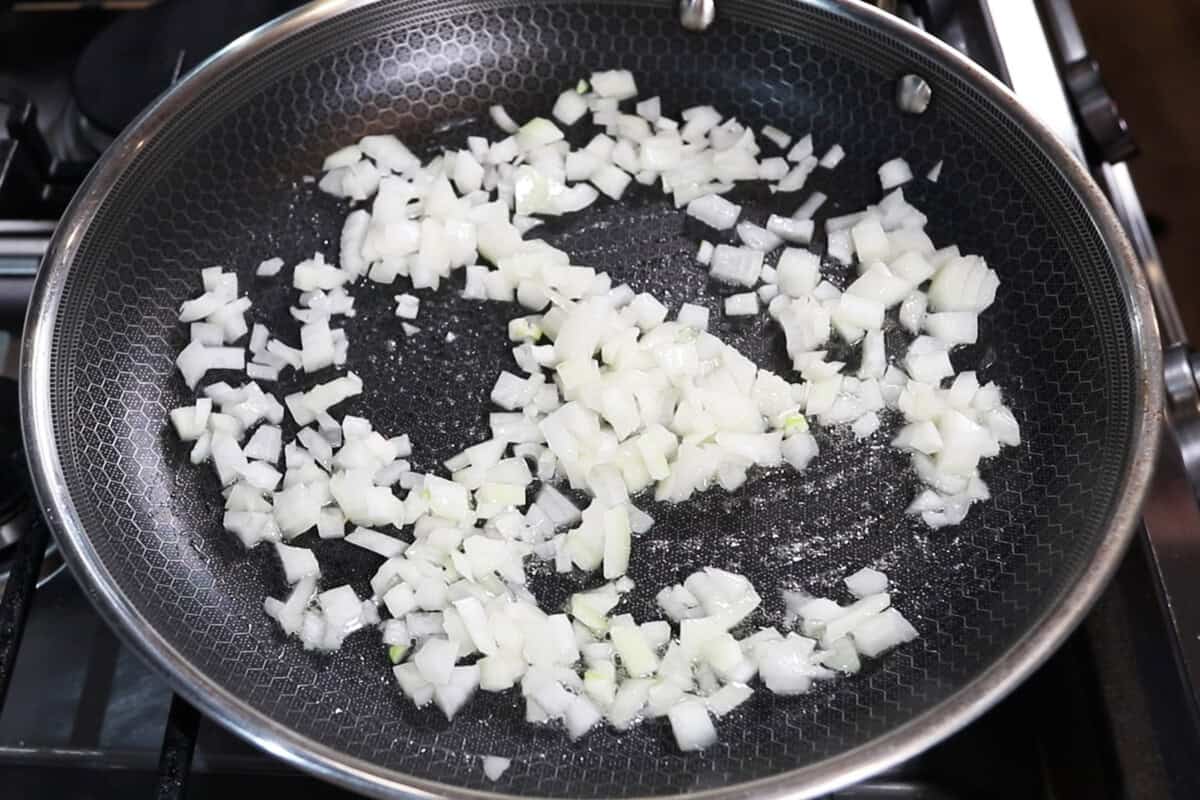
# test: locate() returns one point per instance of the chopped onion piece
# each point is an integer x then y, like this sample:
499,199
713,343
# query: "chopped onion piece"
196,359
407,306
882,632
727,698
538,132
794,181
741,305
269,267
833,156
866,582
894,173
693,316
617,84
912,312
773,169
495,766
698,121
570,107
376,542
953,327
778,137
650,110
736,265
344,157
714,211
388,153
691,725
503,121
298,563
758,238
610,180
634,650
802,149
870,241
809,207
790,230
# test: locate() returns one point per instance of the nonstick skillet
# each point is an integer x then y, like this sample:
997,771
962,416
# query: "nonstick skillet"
213,173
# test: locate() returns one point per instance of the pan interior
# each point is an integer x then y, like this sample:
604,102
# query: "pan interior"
221,183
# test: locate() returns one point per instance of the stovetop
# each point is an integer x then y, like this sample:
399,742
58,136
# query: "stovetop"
1109,716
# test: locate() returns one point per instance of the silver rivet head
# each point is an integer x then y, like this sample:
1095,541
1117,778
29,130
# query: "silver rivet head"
697,15
913,94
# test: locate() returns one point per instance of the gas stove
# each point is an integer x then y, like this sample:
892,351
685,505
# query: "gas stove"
1112,715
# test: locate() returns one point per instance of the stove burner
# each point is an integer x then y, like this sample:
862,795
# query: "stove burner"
142,53
76,137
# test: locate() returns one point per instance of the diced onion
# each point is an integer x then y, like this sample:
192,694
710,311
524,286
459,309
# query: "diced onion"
503,121
692,726
495,766
269,267
611,398
833,156
894,173
736,265
714,211
741,305
758,238
570,107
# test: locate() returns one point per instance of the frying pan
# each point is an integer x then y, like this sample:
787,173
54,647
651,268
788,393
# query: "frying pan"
213,174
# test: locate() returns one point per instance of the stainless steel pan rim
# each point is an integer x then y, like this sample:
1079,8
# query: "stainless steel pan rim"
896,746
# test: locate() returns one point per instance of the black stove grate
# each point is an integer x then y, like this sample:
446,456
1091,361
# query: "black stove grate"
183,721
179,745
18,599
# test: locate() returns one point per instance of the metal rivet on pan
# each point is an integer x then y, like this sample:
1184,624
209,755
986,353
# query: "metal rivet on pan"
697,15
913,94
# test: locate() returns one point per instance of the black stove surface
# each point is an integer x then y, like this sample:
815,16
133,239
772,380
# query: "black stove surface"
1106,717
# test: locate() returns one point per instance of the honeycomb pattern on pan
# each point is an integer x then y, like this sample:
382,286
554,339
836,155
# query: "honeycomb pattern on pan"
223,185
